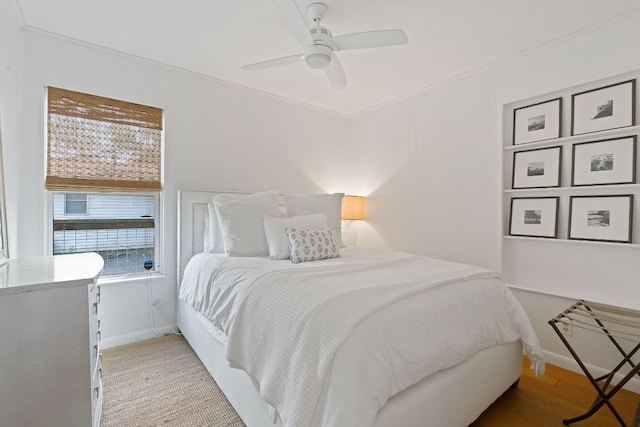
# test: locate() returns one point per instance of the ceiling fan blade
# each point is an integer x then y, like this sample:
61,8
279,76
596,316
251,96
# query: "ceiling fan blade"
273,62
335,73
368,39
293,19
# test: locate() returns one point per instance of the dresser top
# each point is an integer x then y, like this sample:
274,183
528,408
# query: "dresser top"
31,274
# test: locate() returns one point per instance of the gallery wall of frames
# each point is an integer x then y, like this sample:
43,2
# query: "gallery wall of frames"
570,176
571,191
571,194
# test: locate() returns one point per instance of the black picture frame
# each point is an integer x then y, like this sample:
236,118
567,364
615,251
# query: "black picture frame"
604,218
534,217
537,122
536,168
608,107
604,162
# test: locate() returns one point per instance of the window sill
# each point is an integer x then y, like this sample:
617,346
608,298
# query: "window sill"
119,280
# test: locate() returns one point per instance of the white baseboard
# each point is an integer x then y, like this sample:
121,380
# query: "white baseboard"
571,365
136,336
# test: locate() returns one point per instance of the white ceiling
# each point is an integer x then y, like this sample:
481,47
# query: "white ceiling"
215,37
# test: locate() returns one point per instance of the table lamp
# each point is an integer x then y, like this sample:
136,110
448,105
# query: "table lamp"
353,209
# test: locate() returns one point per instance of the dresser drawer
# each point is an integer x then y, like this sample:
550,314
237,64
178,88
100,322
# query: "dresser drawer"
96,400
94,300
96,362
94,327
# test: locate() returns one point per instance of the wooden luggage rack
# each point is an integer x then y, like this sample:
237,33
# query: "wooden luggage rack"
617,324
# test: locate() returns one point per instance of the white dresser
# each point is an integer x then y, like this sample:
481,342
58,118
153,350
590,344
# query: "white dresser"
49,341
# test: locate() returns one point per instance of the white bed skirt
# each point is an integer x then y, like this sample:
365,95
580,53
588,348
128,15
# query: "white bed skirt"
452,397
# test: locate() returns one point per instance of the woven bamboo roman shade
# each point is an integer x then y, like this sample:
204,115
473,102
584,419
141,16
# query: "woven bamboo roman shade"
97,143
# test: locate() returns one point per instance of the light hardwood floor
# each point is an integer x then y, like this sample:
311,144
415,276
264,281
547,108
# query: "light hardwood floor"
547,400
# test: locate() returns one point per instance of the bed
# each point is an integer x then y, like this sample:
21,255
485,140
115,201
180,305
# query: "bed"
378,357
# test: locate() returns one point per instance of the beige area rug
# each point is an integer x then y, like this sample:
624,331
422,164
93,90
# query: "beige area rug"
161,382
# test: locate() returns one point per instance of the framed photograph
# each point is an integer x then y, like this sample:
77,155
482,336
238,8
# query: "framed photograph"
537,122
611,161
608,107
604,218
538,168
534,217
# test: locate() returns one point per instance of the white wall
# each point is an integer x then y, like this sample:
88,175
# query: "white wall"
431,166
217,137
11,59
431,180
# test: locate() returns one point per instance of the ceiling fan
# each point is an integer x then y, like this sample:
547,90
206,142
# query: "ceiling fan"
319,45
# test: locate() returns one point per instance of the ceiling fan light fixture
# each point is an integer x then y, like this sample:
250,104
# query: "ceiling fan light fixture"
318,61
318,56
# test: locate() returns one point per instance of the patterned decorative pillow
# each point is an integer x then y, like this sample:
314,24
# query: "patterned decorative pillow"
307,204
310,244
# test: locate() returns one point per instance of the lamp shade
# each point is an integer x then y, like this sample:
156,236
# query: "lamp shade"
353,207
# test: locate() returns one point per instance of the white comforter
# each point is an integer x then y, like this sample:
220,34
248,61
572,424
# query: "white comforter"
327,343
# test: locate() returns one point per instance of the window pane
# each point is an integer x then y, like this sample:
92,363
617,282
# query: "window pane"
75,203
76,197
120,227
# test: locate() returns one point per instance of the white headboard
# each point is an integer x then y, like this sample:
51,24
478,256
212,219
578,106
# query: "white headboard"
192,205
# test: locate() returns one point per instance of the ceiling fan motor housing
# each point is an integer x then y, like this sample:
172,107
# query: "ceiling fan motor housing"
317,56
316,10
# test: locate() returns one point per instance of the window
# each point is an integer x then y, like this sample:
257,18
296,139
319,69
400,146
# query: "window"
75,204
104,172
120,227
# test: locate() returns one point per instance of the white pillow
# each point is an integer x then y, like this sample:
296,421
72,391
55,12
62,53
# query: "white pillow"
240,220
311,244
207,232
331,204
274,230
216,244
